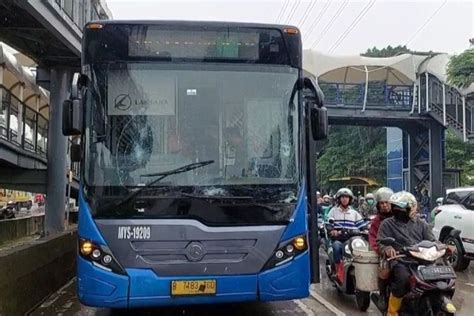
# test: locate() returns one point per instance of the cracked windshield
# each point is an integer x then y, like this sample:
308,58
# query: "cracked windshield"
152,119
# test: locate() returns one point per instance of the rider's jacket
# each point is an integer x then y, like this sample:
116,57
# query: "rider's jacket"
405,233
348,218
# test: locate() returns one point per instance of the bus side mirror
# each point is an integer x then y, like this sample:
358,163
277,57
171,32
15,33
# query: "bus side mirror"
317,111
72,108
75,152
72,123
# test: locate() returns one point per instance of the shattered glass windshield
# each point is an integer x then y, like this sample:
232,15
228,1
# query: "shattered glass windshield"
143,119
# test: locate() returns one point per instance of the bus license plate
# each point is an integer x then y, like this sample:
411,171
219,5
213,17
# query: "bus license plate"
193,287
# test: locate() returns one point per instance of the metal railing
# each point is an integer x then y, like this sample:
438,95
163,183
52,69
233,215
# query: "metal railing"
28,131
379,94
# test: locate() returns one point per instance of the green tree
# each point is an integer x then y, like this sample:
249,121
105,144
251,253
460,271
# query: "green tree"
461,69
460,155
388,51
353,151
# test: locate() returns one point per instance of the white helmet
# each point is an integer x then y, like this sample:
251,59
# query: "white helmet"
383,194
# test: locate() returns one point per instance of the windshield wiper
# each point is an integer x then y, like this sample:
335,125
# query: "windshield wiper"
161,175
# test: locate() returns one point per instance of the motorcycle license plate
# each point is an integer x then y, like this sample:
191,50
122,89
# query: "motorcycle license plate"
438,273
193,287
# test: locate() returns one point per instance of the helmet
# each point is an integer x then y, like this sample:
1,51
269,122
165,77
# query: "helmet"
383,194
439,201
369,196
346,192
326,196
404,200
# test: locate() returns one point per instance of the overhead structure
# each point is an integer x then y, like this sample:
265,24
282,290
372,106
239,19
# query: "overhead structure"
15,75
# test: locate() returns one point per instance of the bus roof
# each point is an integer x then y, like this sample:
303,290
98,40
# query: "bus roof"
195,23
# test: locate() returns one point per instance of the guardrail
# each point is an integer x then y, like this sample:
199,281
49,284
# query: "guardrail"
378,94
28,130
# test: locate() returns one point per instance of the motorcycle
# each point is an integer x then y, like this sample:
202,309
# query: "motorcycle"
8,212
357,239
432,281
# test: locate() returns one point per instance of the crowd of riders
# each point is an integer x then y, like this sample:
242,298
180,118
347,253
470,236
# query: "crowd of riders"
390,214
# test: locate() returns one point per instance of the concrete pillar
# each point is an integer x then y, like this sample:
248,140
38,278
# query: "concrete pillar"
436,162
57,144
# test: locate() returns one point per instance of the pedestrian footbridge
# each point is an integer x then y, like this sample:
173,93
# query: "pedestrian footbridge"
410,92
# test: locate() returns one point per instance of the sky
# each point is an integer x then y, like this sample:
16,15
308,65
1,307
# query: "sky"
341,27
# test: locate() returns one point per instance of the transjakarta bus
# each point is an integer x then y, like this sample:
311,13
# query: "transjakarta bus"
194,152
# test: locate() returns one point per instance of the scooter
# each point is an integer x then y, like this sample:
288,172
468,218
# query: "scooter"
8,212
432,281
356,239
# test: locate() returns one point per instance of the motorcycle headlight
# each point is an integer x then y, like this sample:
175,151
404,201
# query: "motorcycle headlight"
428,254
359,244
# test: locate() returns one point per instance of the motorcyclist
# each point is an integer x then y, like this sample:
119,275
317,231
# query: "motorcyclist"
9,210
384,211
326,206
344,217
407,229
367,207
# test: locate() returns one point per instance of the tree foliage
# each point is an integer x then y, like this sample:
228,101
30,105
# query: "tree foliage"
461,69
388,51
353,151
460,155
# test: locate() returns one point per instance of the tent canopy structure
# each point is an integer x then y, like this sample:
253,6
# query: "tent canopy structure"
397,70
402,71
15,73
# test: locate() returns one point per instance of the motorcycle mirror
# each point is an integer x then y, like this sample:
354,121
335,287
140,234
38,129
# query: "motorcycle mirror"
388,241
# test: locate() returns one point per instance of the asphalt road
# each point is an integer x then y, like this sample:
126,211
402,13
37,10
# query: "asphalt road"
65,302
463,298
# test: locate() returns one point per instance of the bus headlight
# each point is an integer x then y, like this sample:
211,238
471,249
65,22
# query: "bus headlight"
286,251
86,248
99,256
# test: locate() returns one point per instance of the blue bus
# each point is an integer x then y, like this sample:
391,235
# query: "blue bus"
196,146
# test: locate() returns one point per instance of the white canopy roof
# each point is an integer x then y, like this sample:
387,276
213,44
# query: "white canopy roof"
397,70
437,66
22,74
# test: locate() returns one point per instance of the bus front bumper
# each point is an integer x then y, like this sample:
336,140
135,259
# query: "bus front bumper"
143,288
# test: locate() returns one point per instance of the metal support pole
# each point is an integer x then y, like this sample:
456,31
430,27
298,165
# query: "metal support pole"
57,142
444,104
413,98
436,162
464,131
21,111
427,85
419,96
411,162
366,92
